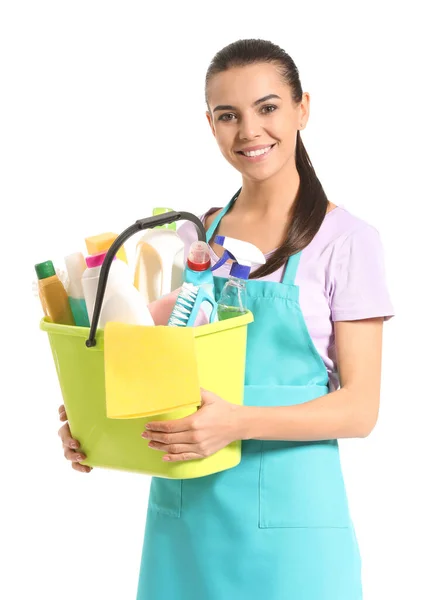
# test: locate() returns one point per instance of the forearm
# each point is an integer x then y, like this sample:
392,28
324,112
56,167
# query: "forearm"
339,414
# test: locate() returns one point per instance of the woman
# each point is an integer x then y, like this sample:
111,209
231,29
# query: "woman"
277,526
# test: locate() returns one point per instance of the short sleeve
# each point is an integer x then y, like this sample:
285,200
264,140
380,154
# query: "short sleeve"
358,279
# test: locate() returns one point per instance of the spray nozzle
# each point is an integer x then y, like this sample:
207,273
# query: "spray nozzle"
244,254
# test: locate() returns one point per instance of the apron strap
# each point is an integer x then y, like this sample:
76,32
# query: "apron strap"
290,270
217,220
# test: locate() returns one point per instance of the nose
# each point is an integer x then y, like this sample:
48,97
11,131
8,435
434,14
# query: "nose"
249,127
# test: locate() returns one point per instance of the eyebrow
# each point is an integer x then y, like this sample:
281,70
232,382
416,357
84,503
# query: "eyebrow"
259,101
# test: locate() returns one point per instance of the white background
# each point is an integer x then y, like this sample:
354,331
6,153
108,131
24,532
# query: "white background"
102,118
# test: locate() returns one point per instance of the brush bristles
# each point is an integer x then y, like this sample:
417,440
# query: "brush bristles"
183,305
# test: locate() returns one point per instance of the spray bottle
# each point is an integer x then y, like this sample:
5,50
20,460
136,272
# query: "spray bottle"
232,301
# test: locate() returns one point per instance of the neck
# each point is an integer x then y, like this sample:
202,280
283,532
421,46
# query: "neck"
275,195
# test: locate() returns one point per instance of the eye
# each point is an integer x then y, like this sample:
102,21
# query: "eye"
269,108
226,117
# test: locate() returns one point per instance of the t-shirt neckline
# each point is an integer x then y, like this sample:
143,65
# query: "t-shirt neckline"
216,257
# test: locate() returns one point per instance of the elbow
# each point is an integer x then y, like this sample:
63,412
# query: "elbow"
365,424
365,416
364,429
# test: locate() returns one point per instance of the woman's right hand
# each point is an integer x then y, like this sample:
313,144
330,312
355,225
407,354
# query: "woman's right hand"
71,447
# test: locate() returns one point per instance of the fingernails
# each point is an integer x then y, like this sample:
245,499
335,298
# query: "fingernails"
78,457
145,435
166,458
74,445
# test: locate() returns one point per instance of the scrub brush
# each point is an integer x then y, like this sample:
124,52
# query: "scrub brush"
187,306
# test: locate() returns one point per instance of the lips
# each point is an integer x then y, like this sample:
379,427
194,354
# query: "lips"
258,157
255,148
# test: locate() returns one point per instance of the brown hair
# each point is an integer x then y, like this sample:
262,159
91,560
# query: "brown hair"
310,206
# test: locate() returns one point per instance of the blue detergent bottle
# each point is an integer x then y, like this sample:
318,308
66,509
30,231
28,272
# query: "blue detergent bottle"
198,272
196,304
232,301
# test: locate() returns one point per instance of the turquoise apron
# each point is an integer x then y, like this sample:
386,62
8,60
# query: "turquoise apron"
277,526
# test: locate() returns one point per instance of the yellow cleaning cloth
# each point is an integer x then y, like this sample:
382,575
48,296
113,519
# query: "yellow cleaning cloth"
149,370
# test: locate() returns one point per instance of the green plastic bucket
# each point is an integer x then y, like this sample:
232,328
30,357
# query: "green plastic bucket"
116,443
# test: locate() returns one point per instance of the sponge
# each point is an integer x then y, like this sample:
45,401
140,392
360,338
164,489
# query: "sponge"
102,243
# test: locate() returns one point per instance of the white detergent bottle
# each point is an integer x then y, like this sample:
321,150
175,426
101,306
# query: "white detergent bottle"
232,301
76,266
122,302
159,266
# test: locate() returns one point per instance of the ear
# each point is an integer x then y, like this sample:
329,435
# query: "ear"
210,122
305,108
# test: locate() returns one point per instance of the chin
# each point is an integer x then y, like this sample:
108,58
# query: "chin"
260,173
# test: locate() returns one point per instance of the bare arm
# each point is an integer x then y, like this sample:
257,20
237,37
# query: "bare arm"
349,412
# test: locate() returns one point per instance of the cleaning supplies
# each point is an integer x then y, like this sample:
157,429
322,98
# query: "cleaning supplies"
53,295
159,260
188,304
198,272
122,302
102,242
76,266
232,301
197,269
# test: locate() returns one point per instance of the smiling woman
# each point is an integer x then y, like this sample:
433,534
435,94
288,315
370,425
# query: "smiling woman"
277,526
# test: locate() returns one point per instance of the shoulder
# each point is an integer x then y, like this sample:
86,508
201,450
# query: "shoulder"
341,226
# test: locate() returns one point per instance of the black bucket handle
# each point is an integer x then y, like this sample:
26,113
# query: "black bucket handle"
139,225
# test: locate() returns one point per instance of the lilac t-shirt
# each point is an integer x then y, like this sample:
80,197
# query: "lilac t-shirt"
341,276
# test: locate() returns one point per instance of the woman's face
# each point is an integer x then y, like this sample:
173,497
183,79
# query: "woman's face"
254,119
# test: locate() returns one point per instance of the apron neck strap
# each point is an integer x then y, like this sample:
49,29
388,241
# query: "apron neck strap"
290,270
218,219
293,261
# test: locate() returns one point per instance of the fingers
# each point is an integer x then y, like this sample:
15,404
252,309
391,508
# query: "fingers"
180,425
66,439
73,455
62,413
180,457
81,468
71,448
174,448
187,437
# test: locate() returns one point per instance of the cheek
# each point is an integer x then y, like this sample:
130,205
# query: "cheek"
287,134
285,129
225,141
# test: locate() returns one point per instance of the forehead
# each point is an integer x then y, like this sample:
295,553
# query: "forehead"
244,85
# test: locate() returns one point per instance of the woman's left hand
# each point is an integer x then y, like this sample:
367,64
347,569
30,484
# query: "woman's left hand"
212,427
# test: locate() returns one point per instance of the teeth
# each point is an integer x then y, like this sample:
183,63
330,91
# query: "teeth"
258,152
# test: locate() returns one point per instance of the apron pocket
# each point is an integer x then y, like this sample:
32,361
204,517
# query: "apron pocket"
301,485
165,496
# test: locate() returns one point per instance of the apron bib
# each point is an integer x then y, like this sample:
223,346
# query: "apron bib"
277,526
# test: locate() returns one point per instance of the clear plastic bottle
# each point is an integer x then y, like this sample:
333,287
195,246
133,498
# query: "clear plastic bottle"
233,299
232,302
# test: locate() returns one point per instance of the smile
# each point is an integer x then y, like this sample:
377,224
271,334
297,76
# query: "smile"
254,155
